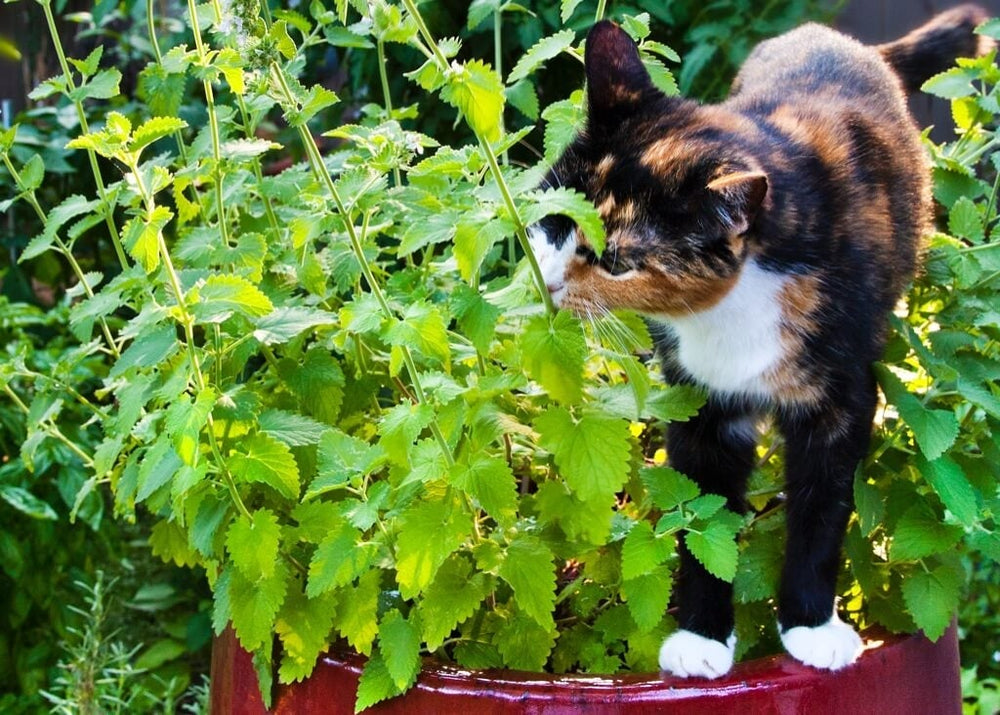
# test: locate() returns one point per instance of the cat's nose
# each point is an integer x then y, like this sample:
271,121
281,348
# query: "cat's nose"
555,286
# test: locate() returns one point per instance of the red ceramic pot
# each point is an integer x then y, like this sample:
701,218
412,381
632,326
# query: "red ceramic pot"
907,675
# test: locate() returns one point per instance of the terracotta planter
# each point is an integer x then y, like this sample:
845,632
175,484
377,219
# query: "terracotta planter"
897,674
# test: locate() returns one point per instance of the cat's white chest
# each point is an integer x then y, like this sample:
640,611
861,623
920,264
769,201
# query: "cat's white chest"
733,346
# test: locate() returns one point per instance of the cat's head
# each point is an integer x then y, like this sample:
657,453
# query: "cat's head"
677,197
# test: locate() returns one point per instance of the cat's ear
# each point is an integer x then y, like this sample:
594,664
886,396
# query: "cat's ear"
616,77
741,195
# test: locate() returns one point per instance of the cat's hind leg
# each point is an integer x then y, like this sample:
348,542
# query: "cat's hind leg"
716,450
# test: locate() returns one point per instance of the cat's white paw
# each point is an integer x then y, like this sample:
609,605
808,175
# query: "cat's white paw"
687,654
833,645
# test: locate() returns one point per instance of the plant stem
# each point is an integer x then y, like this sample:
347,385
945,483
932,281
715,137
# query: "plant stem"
85,129
599,15
386,97
494,167
213,122
50,428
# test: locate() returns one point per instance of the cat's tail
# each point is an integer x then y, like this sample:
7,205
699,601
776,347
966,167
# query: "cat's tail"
933,47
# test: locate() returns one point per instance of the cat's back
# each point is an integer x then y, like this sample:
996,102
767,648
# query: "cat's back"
812,63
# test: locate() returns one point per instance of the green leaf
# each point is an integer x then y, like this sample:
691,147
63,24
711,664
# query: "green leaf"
430,532
153,129
667,487
473,240
27,503
932,598
161,90
147,351
342,458
375,683
529,568
523,643
868,504
636,26
934,430
338,560
571,203
88,66
647,596
141,236
490,481
454,596
919,533
304,628
32,173
399,645
477,92
422,327
244,149
400,427
643,551
592,453
715,547
185,420
254,605
317,381
356,617
759,568
282,41
542,51
104,85
476,316
253,544
222,295
293,429
566,8
262,458
158,466
965,220
524,98
563,120
68,209
553,352
951,84
951,484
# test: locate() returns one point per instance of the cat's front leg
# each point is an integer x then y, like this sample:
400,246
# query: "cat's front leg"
716,450
823,450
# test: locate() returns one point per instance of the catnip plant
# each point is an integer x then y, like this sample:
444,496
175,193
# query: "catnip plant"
342,391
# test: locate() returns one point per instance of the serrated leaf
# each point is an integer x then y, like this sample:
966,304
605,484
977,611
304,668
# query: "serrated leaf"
571,203
32,173
375,683
253,544
422,327
356,617
473,240
477,92
476,316
88,66
868,504
454,596
592,453
141,236
318,383
563,119
542,51
524,98
430,532
222,295
529,568
400,427
667,487
304,627
253,605
523,643
342,458
932,598
951,484
293,429
337,561
185,420
964,220
715,547
951,84
553,352
263,459
103,85
490,481
647,596
399,645
147,351
643,551
759,568
934,430
919,533
158,465
154,129
566,8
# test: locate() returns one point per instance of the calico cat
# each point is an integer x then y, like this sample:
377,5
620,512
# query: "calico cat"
766,240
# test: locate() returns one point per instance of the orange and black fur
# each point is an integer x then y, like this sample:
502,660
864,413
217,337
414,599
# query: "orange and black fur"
766,239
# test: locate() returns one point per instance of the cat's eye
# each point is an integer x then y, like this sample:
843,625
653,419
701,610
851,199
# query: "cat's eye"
612,262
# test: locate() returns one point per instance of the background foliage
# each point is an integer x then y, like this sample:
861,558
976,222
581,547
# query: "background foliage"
316,369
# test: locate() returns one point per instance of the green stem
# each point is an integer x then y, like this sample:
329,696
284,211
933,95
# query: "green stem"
155,43
109,218
51,429
599,15
213,122
386,97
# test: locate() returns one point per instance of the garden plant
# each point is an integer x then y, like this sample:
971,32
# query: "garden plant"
303,337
